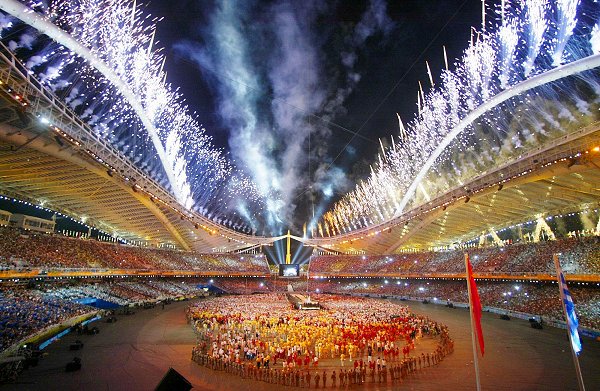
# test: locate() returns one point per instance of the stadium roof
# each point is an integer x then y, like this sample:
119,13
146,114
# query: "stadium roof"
65,167
550,181
68,170
542,128
41,166
44,172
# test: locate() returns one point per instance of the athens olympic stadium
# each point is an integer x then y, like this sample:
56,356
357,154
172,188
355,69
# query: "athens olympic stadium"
118,271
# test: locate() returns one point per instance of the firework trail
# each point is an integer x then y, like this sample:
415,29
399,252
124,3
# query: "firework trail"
108,70
468,122
479,115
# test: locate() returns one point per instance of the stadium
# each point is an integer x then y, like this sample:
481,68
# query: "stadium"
242,195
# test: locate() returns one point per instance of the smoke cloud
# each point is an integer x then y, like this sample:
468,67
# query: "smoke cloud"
269,70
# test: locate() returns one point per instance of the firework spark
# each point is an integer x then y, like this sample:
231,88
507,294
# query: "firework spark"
105,66
464,126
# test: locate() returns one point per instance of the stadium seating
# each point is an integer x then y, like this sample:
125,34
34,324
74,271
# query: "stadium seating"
26,311
28,250
577,255
532,298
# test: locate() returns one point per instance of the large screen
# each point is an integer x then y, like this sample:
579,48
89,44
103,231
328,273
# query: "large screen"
289,270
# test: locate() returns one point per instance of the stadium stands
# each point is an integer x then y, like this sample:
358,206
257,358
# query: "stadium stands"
540,299
243,286
578,256
28,250
124,292
26,311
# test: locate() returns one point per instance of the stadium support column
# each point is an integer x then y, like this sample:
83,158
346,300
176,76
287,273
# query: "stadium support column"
537,234
542,226
482,239
288,254
496,238
520,233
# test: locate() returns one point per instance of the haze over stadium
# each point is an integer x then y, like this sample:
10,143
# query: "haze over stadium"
161,150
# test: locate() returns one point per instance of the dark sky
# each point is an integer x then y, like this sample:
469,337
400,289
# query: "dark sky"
389,61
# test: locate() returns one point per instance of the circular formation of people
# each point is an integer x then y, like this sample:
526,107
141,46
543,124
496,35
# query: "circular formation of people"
348,341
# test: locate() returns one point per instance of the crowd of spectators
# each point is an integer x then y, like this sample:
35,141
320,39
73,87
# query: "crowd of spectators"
125,292
542,299
19,249
243,286
577,255
24,312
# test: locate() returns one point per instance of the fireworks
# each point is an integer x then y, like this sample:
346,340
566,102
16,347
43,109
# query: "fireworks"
103,62
109,72
478,116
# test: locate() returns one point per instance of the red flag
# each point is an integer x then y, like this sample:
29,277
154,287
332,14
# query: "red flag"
475,304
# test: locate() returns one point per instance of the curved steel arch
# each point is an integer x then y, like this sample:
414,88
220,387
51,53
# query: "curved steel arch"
30,17
578,66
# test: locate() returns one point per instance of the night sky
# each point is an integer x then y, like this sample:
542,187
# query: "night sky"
279,73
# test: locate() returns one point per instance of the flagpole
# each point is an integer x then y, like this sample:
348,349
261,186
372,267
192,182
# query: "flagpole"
562,300
475,357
